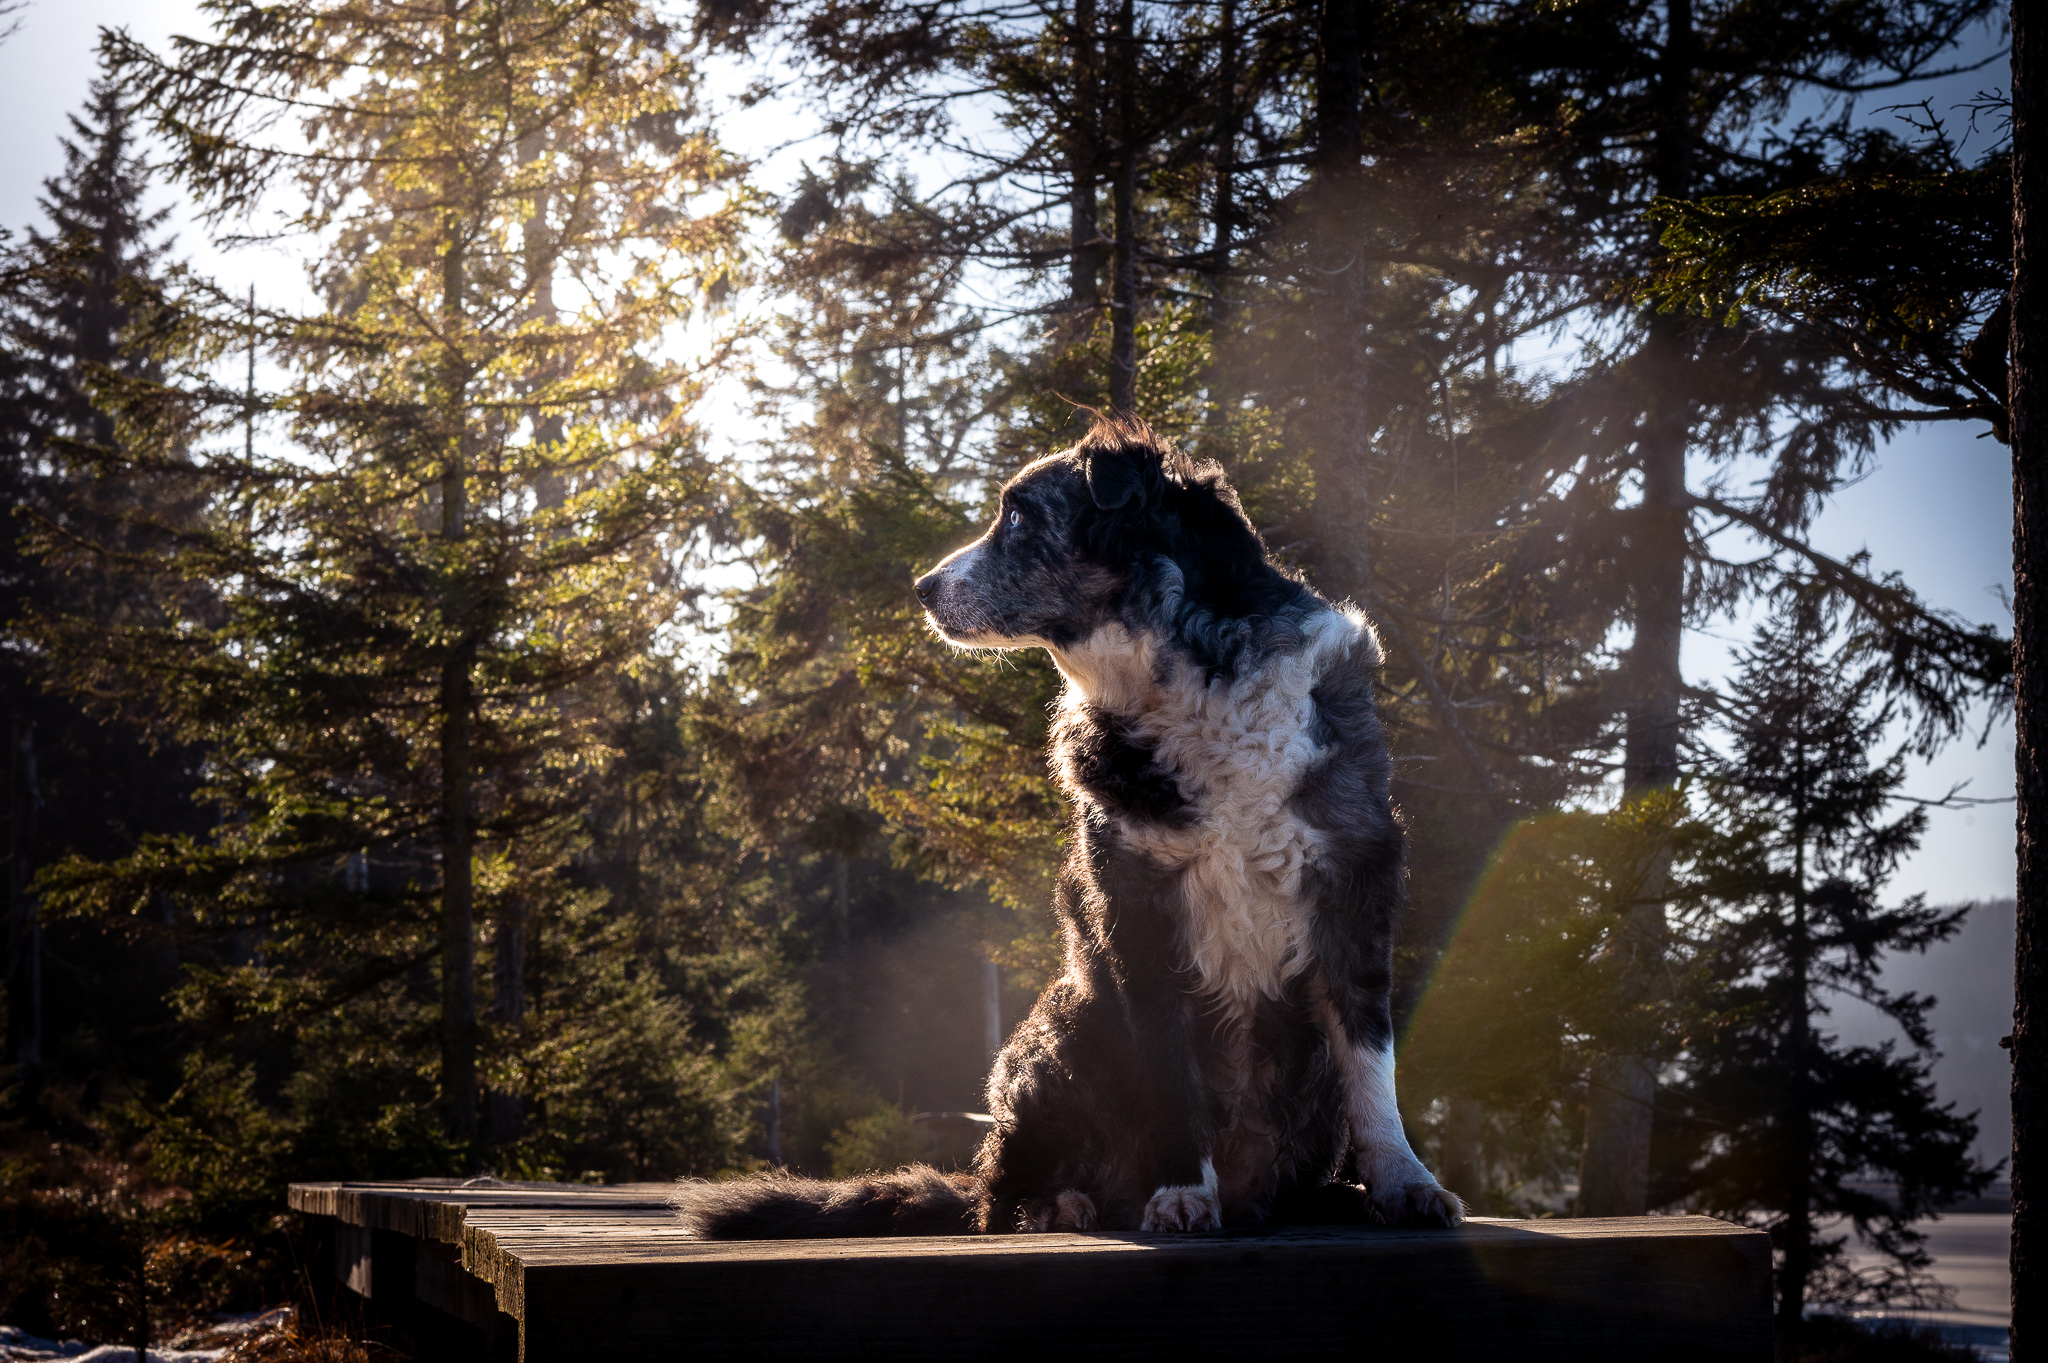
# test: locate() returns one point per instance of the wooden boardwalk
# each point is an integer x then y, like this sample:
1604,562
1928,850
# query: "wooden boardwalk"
554,1273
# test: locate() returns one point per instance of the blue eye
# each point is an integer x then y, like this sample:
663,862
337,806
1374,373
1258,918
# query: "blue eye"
1014,518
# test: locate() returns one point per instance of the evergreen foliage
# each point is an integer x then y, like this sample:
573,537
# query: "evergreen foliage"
1641,102
463,518
92,1235
1771,1118
77,784
1528,992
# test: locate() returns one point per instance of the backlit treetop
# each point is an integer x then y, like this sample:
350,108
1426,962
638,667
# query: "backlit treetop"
467,497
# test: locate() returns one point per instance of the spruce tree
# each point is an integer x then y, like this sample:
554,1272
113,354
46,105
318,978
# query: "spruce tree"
79,785
468,502
1771,1116
1673,99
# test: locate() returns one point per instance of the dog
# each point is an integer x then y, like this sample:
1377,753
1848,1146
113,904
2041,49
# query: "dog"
1217,1049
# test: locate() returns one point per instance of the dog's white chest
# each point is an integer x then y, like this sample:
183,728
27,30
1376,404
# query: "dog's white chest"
1239,750
1239,754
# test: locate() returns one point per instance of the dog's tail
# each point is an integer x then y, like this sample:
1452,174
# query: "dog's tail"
915,1200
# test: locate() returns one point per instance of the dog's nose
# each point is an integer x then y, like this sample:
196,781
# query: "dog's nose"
927,587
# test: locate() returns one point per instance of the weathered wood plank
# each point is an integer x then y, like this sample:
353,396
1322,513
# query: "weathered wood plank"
442,1282
1475,1293
588,1272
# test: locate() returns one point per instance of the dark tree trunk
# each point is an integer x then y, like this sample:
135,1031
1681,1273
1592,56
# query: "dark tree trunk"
992,1007
458,906
1796,1239
842,942
1224,393
1084,234
141,1323
1464,1159
24,928
1123,303
249,388
1223,210
2029,398
1342,427
541,253
458,851
507,1114
504,1114
1614,1168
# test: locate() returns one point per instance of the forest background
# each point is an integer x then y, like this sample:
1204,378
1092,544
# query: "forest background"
740,865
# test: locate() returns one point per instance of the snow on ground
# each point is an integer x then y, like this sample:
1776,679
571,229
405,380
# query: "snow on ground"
15,1345
209,1345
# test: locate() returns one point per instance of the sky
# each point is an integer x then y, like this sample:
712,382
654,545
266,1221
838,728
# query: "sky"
1937,507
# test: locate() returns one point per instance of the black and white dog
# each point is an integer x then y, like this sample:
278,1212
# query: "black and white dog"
1217,1049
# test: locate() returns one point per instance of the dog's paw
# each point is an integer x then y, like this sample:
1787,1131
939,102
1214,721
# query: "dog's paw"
1192,1207
1422,1203
1073,1211
1067,1210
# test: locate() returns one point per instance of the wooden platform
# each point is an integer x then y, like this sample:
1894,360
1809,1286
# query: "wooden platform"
556,1273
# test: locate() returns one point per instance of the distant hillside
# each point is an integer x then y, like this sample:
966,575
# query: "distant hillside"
1970,977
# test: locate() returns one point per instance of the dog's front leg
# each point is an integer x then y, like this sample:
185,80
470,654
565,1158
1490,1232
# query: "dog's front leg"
1176,1111
1173,1122
1362,1042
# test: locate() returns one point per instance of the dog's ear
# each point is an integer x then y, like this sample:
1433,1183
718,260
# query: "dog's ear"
1116,477
1126,474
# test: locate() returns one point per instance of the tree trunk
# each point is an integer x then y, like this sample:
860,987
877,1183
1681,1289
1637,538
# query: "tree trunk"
1797,1239
540,252
1343,428
458,852
249,389
992,1006
458,891
508,1008
1464,1157
631,878
1614,1168
505,1113
1084,234
2029,398
141,1322
842,942
1123,303
24,928
1223,209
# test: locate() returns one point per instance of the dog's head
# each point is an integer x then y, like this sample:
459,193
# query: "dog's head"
1122,529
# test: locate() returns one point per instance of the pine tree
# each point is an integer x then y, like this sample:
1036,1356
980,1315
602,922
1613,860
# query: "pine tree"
469,505
1672,99
1772,1115
78,785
